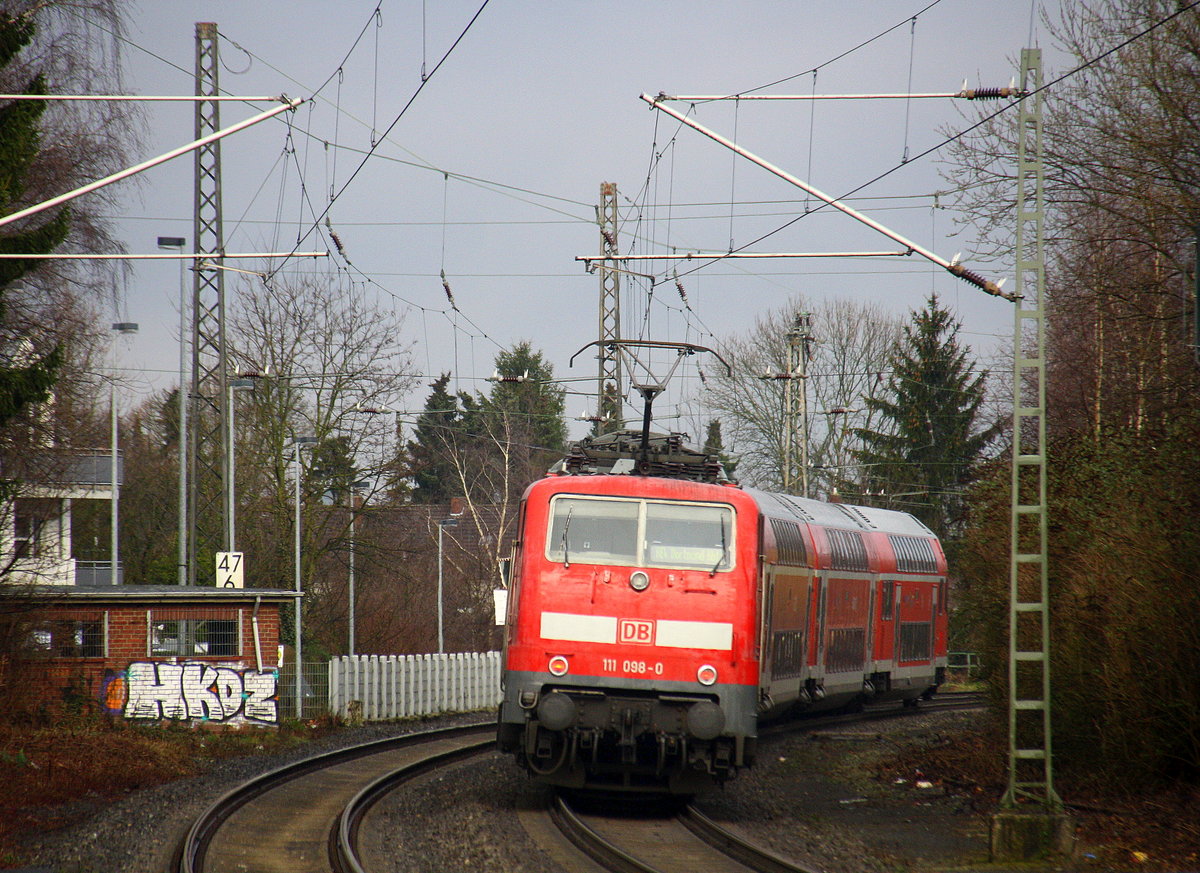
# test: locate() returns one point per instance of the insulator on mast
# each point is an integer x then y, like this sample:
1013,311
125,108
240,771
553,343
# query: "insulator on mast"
989,93
337,241
449,295
682,293
981,283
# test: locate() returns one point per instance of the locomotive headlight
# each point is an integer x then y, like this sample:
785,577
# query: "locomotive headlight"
707,674
639,581
558,665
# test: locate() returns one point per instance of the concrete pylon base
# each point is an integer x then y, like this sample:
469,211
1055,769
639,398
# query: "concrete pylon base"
1018,835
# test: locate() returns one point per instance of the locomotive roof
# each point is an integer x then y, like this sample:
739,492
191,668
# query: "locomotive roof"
621,453
839,515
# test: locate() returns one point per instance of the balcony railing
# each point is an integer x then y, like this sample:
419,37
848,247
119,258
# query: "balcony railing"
98,573
83,467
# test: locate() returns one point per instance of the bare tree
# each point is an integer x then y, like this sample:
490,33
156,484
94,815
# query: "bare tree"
323,352
1121,211
850,352
48,308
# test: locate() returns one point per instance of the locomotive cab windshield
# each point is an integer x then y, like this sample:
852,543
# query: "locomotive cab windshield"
632,532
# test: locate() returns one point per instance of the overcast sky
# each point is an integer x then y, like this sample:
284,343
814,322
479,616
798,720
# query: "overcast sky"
493,171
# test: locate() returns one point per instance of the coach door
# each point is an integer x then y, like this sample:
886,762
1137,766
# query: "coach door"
896,607
819,586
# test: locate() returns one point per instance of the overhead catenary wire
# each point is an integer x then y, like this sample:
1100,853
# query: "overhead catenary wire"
984,120
463,291
396,120
314,218
314,222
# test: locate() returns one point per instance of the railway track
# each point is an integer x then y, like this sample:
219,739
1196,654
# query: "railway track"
307,817
294,818
620,837
651,841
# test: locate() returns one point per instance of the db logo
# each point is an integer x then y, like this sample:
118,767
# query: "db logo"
638,631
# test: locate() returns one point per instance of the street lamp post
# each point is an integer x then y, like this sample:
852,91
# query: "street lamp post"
123,328
178,242
231,490
354,506
444,523
298,443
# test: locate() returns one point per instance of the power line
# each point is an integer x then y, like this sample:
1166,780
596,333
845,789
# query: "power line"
984,120
838,57
370,153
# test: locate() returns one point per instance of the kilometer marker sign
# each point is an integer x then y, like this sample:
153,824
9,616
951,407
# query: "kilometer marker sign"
230,570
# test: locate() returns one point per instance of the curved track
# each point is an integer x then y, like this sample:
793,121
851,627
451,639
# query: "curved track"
305,818
290,819
651,841
641,838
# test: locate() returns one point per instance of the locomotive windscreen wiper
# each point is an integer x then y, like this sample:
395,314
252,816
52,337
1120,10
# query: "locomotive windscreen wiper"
724,549
567,527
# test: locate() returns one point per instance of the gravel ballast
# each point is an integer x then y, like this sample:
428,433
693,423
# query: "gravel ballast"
812,796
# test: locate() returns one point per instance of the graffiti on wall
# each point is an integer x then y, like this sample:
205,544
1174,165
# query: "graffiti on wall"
192,691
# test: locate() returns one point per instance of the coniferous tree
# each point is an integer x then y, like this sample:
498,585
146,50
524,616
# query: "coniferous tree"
333,470
516,431
713,445
610,412
535,400
431,452
921,458
26,375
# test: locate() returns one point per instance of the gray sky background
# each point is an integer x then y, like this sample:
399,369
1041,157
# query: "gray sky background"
535,107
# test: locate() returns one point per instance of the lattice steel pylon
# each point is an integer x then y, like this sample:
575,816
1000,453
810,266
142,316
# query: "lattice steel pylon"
207,456
1030,772
795,400
609,384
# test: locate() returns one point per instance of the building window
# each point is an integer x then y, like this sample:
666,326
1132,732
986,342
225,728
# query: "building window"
184,637
29,518
71,638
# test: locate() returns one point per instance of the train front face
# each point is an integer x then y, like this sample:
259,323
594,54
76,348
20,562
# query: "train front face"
630,657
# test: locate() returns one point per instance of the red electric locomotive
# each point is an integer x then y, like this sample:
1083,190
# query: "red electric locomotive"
656,612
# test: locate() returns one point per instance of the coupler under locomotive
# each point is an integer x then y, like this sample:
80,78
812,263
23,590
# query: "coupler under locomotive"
626,740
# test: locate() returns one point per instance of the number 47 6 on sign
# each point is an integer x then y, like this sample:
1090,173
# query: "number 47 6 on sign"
230,570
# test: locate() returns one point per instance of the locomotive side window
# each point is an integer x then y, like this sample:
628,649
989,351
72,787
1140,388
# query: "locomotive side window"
631,532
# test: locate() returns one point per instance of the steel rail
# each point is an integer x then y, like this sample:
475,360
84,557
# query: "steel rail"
741,850
591,843
343,837
192,851
738,853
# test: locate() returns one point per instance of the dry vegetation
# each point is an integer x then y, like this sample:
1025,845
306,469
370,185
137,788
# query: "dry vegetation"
1151,831
52,775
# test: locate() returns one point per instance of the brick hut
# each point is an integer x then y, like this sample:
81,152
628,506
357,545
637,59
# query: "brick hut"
156,653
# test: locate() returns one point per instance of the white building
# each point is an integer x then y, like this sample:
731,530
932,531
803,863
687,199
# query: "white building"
35,528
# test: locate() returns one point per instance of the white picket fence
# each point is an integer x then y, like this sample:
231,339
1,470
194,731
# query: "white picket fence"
400,686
